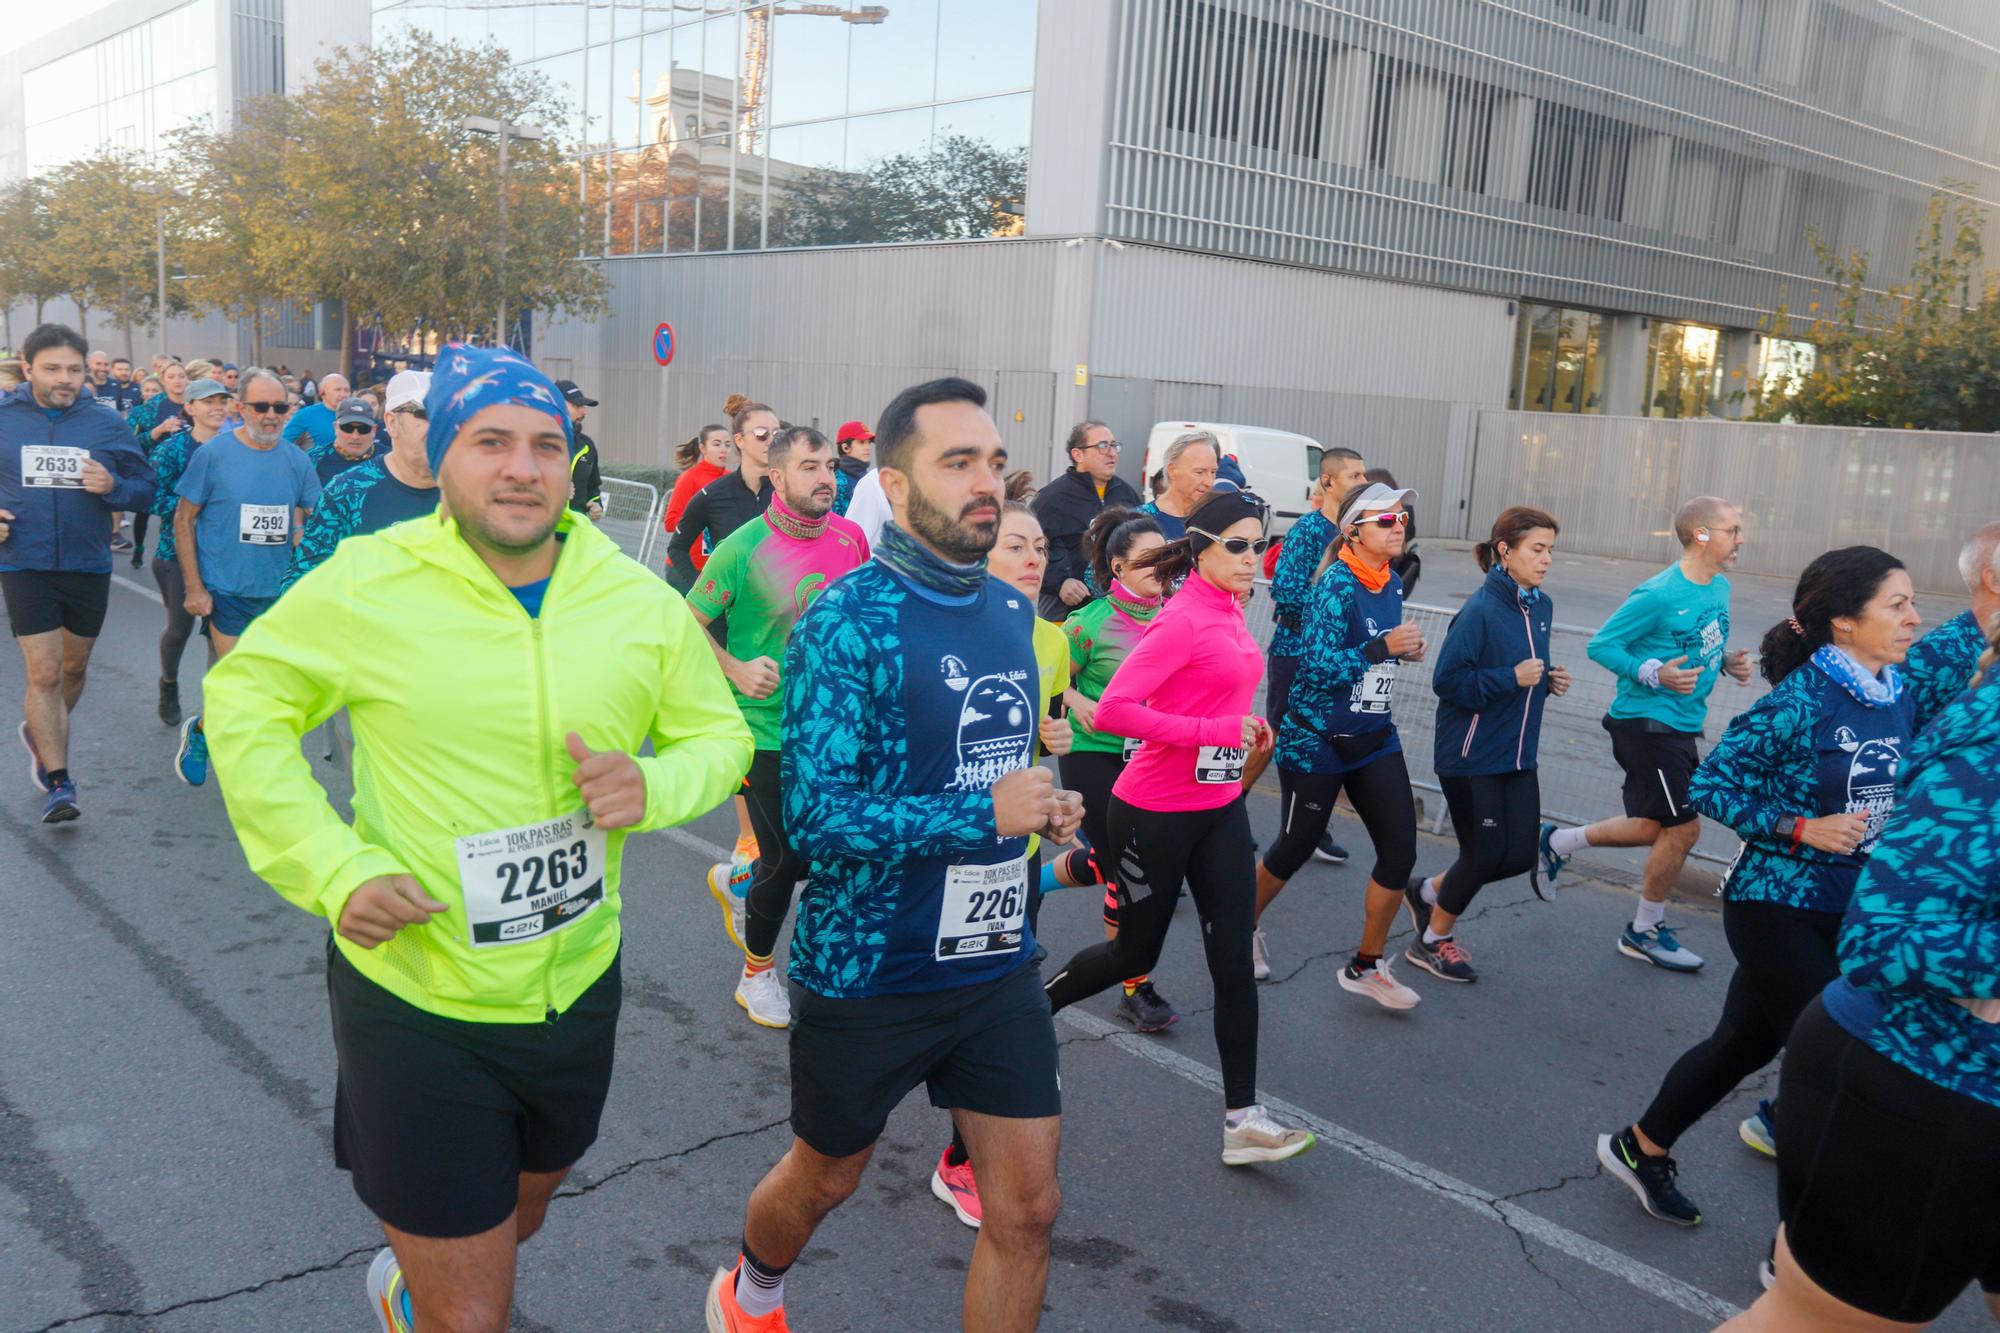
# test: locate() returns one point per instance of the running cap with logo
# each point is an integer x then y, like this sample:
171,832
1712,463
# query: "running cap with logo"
469,380
1377,497
201,389
354,408
854,430
572,394
407,389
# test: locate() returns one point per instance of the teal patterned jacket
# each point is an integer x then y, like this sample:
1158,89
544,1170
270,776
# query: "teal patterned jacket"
1942,664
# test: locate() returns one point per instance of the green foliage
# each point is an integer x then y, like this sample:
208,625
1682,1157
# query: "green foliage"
954,191
1923,356
32,265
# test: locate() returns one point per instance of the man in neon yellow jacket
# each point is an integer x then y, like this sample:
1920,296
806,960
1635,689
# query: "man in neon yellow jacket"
502,663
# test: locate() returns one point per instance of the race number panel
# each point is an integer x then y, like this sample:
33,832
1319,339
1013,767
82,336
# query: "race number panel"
53,465
1219,763
524,883
264,525
984,910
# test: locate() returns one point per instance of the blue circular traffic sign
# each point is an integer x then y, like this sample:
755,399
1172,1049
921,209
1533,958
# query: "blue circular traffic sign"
663,344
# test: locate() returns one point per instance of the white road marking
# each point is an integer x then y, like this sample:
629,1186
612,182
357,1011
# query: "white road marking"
140,588
1482,1204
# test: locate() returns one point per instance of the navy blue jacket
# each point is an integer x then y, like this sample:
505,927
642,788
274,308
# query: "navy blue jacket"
59,527
1486,723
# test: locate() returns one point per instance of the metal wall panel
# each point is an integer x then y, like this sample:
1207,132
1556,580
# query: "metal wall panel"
1614,483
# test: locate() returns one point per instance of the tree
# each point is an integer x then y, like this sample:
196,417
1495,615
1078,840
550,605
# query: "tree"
960,188
1925,355
104,213
32,265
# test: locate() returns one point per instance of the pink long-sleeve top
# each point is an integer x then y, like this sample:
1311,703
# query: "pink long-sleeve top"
1184,691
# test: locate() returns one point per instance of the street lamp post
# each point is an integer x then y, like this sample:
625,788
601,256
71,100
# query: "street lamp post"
504,131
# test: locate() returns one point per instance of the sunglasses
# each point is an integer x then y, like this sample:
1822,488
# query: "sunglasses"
356,428
760,433
1383,521
1236,545
267,407
416,412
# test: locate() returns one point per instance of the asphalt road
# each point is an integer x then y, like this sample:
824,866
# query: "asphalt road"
166,1078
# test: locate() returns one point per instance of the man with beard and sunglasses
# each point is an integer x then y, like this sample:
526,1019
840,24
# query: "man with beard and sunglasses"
731,500
763,577
504,667
243,501
910,717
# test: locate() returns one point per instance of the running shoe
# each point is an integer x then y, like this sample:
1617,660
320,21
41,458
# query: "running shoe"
956,1186
61,807
170,702
1259,1138
191,759
1145,1011
1660,947
1767,1271
763,997
726,1316
1379,984
1756,1130
742,866
36,773
1651,1179
120,542
1330,851
1542,877
1420,911
389,1295
733,909
1443,960
1260,958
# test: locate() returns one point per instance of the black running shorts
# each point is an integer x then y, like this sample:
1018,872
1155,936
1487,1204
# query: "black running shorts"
1658,767
436,1118
989,1048
42,600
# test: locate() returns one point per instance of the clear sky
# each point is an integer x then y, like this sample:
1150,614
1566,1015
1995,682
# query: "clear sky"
27,22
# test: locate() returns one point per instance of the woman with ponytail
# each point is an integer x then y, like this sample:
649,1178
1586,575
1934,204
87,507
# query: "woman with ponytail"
1806,776
703,457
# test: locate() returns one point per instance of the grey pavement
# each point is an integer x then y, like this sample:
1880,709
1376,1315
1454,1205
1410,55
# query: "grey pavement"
166,1077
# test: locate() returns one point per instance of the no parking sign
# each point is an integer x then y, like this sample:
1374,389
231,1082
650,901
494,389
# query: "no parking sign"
664,344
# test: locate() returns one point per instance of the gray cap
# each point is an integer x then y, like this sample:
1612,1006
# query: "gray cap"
205,388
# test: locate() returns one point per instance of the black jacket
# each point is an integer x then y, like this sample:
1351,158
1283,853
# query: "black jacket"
718,509
1065,508
586,479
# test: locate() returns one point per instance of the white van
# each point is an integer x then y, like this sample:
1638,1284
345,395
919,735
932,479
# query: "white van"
1280,467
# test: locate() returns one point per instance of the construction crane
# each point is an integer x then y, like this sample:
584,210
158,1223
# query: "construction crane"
757,59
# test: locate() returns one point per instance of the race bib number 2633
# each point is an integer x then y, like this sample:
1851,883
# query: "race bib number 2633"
56,465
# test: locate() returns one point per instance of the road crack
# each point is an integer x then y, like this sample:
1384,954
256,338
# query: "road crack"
619,1172
196,1302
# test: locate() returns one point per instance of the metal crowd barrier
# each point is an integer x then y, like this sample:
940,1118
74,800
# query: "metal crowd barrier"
1579,781
631,516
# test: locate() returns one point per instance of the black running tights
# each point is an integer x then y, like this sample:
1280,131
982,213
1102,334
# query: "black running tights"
1784,957
1497,817
180,624
1211,853
1380,791
779,868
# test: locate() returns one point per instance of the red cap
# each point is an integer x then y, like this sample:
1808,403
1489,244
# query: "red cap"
854,430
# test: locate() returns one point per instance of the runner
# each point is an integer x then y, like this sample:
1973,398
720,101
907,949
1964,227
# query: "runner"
762,577
912,958
585,470
315,420
474,1023
1492,680
702,458
1177,817
1891,1080
66,466
159,416
1806,776
1943,661
207,405
1339,733
242,500
1101,635
1299,556
1189,467
386,489
857,450
1067,506
1668,646
354,439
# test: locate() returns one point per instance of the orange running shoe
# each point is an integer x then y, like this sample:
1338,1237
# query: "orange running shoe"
726,1316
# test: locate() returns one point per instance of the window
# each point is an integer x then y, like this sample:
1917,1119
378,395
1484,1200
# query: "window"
1231,77
1429,126
1681,369
1579,162
1558,360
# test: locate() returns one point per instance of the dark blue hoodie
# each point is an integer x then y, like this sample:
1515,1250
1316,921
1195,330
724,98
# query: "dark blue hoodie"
63,527
1485,722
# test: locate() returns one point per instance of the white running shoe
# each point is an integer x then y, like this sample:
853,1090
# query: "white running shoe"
1260,958
1259,1138
1379,984
762,995
388,1294
733,904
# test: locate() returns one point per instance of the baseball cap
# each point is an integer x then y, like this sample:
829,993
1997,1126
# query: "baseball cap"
407,388
354,407
1377,497
854,430
574,395
201,389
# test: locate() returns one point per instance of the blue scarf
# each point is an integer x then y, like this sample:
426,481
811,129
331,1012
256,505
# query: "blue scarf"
914,561
468,380
1871,691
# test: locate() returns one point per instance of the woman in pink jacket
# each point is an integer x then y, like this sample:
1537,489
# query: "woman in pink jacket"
1177,815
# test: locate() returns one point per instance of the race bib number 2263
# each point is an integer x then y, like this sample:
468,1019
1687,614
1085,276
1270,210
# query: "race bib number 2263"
523,883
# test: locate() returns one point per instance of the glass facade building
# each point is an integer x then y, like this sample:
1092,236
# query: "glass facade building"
748,126
129,90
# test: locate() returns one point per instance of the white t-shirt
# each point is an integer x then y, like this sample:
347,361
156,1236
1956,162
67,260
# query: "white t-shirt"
869,507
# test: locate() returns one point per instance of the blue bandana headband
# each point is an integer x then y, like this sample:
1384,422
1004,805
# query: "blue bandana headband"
468,380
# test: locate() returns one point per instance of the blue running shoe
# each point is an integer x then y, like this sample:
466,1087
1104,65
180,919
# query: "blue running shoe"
191,759
1756,1130
1542,877
36,773
1659,947
61,807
